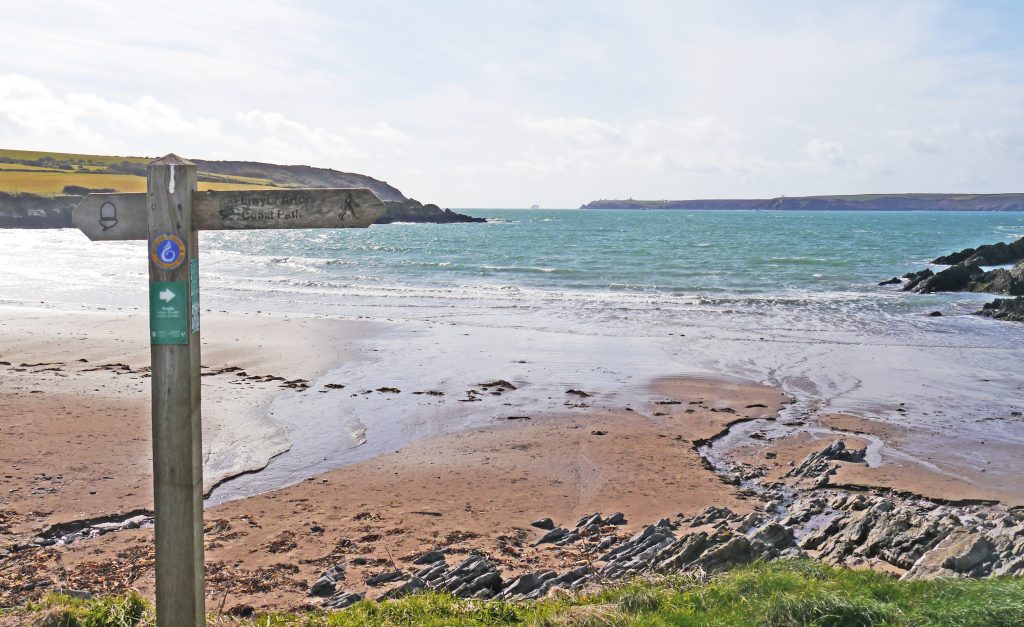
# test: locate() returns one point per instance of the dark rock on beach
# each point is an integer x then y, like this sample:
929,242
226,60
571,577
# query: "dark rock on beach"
343,599
965,273
543,523
1004,309
916,278
956,278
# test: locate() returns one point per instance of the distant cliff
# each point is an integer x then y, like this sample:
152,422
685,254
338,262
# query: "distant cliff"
59,180
863,202
29,211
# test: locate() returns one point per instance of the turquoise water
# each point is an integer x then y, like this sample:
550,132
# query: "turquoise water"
572,267
605,301
665,252
615,268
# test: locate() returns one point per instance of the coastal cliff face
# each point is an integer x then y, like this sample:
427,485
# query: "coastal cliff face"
29,211
863,202
50,205
411,210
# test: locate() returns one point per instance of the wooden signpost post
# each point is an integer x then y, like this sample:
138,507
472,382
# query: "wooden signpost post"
169,215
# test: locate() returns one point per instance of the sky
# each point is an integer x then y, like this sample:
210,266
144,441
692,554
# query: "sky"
510,104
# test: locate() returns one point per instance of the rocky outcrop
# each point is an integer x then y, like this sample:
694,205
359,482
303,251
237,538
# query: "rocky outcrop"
1004,309
968,277
998,254
30,211
413,211
656,548
818,467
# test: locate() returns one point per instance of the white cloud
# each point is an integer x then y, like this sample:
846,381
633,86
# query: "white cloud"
585,131
34,116
1005,142
557,103
825,152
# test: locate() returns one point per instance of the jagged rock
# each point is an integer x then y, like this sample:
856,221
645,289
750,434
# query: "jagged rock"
960,553
407,588
916,278
618,518
468,578
978,552
989,255
711,514
819,536
892,281
572,576
1004,309
735,551
606,543
955,278
432,572
817,466
552,536
322,587
852,534
343,600
752,520
592,519
543,523
411,210
429,558
525,584
775,535
385,577
677,555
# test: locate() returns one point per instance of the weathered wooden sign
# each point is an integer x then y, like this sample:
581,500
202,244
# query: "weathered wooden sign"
124,216
169,215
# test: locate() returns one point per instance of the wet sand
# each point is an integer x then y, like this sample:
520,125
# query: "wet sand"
466,469
75,437
474,490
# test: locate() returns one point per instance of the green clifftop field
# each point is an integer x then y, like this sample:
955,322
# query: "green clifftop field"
39,189
859,202
55,174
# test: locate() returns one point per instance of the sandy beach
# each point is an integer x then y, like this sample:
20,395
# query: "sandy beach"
472,490
75,439
75,392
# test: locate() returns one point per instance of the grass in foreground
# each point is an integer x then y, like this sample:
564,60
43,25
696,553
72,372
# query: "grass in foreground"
779,593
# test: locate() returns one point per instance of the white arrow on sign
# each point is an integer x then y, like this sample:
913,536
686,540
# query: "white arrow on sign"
166,295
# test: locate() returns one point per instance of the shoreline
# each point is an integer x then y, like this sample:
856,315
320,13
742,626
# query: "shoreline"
445,455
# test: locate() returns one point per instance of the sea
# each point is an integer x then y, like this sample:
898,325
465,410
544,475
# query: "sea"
608,300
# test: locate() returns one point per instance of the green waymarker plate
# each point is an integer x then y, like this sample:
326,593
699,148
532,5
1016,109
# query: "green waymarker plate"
168,312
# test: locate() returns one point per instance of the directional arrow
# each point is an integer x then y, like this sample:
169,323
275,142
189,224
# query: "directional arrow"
166,295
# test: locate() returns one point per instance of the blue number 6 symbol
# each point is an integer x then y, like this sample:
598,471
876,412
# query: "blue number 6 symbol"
168,252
